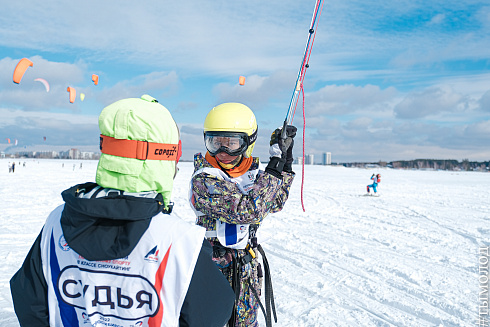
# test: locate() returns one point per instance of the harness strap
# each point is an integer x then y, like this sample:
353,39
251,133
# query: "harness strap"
235,285
269,292
236,268
268,320
141,150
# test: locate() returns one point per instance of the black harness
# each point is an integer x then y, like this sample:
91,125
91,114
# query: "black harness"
237,263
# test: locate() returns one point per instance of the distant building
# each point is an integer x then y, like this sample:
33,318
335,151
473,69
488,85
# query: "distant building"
64,154
2,154
47,154
310,159
74,154
298,160
88,155
327,158
36,154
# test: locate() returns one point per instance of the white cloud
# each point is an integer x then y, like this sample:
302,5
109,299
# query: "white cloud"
430,102
483,15
258,91
437,19
485,102
346,99
220,37
382,78
157,84
30,127
10,116
403,141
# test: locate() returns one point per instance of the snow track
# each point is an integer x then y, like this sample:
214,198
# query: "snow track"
406,258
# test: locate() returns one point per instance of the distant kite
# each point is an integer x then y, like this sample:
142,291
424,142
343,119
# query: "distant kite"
20,69
82,96
45,83
241,80
95,79
8,140
44,137
16,142
73,93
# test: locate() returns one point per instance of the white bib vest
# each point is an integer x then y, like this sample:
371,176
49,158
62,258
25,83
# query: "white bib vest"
229,235
146,288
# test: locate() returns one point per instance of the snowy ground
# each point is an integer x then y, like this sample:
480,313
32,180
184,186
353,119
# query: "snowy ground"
406,258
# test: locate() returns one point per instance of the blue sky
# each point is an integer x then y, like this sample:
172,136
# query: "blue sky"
388,80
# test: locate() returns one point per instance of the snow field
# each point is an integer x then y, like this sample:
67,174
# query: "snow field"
406,258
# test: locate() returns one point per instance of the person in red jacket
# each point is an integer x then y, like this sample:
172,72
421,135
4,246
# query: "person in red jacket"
113,254
376,180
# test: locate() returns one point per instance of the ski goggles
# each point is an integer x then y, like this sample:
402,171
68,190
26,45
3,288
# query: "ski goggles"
231,143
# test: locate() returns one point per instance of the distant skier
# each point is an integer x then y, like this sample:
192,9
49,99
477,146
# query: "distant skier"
376,180
13,167
10,167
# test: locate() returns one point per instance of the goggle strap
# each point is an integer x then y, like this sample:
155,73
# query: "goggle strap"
141,150
253,137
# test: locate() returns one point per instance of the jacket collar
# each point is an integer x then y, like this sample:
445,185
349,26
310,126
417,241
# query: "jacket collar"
106,227
236,171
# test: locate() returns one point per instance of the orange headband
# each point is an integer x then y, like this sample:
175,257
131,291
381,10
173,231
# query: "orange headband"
141,150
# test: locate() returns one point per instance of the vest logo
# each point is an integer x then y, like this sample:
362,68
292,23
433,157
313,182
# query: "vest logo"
63,244
166,152
152,256
85,318
123,296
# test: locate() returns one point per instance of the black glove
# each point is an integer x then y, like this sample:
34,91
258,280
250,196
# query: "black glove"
283,147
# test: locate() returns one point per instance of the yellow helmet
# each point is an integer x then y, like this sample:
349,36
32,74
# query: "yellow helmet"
233,118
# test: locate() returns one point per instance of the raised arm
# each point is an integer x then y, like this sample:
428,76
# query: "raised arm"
223,200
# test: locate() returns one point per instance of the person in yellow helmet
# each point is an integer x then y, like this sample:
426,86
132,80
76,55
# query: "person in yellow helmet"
231,193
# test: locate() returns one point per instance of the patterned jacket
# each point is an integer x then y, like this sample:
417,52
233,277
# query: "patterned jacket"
219,199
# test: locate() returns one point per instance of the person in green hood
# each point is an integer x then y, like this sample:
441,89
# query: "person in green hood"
113,254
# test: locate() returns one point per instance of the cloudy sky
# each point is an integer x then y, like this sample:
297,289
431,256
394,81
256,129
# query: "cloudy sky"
388,80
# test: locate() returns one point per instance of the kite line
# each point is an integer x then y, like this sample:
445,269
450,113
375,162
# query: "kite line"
298,87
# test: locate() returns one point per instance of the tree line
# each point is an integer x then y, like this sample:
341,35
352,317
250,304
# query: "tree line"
437,164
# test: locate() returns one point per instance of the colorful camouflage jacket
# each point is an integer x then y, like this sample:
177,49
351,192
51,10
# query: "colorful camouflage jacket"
219,199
